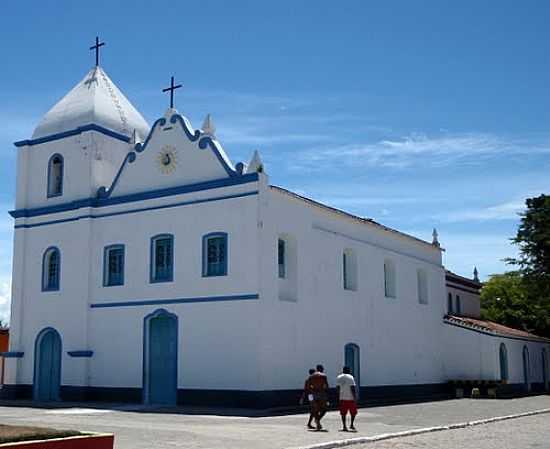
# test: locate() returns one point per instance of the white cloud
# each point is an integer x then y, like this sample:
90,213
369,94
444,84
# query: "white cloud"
416,149
504,211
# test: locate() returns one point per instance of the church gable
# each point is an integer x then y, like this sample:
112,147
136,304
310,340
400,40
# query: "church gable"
174,154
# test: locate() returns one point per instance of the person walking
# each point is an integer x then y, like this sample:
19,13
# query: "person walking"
347,394
309,397
317,386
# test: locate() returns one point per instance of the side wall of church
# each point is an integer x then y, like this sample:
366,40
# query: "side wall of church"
395,336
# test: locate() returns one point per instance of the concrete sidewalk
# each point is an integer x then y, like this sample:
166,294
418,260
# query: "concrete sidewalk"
136,427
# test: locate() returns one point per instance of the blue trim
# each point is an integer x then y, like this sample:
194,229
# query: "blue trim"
152,194
113,214
145,380
153,276
204,141
53,195
205,239
154,302
73,132
80,353
56,286
39,337
12,354
106,275
355,351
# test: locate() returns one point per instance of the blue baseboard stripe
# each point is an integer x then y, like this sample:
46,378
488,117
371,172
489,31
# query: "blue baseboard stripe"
80,353
12,354
155,302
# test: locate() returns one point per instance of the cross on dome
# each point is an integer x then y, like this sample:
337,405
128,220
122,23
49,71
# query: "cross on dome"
96,48
172,88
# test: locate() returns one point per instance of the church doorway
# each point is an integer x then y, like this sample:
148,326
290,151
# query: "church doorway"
526,380
544,369
352,360
160,358
47,366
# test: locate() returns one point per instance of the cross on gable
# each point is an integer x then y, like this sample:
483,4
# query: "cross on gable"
171,89
96,48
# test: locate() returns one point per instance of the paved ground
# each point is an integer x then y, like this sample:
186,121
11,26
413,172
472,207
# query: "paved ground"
139,428
521,433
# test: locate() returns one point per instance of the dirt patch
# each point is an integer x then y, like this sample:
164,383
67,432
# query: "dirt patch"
12,434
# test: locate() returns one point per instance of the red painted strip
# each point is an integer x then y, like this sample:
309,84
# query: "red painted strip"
91,442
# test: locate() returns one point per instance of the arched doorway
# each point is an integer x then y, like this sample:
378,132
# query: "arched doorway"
352,360
545,369
160,361
503,356
526,379
47,366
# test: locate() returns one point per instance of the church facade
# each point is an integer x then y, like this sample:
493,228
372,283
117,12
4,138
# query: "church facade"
148,267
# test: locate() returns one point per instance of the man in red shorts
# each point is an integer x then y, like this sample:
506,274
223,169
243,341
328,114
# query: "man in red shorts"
348,397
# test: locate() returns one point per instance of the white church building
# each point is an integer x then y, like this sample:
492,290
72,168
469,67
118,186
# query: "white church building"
148,267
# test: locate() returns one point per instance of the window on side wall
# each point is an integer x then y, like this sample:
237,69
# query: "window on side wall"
113,265
281,258
55,176
450,304
349,270
458,308
51,267
389,279
215,254
422,286
162,258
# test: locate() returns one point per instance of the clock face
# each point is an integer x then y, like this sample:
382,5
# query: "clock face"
167,159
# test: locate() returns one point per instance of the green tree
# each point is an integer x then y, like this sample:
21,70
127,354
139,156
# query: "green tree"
521,298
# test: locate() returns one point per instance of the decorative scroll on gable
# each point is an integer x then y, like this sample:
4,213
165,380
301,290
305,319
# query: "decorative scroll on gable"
174,154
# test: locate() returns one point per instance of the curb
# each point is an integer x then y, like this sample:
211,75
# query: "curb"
407,433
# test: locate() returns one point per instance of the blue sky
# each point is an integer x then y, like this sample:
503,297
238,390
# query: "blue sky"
417,114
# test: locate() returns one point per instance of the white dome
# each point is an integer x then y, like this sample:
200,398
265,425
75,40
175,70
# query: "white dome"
94,100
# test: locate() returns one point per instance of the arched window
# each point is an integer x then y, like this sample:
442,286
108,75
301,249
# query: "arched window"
55,176
503,357
389,279
51,267
450,304
113,265
214,254
458,305
162,258
422,286
349,269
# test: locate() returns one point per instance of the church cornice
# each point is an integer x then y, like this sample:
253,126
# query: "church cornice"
135,197
73,132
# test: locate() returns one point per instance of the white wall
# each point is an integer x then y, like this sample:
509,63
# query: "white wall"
395,336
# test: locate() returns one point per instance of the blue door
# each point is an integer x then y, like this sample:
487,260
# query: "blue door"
47,365
526,379
351,360
163,359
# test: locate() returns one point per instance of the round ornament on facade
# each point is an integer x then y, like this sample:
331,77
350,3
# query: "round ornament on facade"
167,159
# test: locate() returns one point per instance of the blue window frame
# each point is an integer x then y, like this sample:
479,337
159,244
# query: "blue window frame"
51,268
281,258
55,176
162,258
113,265
214,254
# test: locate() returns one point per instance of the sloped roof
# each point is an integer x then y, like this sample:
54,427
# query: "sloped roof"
356,218
492,327
94,100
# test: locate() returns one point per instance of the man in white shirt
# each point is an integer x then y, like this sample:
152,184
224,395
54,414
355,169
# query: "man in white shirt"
348,397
